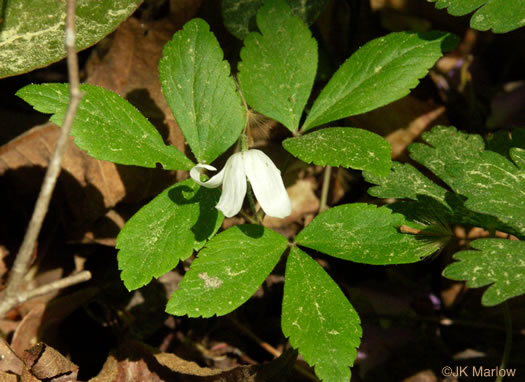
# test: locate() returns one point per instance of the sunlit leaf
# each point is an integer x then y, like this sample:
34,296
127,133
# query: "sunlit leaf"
496,262
200,91
499,15
107,126
493,184
227,272
341,146
318,318
32,32
380,72
278,65
166,230
366,234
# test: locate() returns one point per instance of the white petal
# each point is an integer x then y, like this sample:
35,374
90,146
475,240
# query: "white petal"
233,187
214,182
267,184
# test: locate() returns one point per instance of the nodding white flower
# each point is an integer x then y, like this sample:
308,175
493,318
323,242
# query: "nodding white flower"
265,179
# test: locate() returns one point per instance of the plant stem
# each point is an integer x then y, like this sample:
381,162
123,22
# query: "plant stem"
251,199
326,187
23,256
244,142
508,339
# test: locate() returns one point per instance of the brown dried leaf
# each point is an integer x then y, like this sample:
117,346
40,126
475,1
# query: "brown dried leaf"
182,366
402,122
27,332
130,68
134,361
3,269
8,326
46,363
8,377
9,361
28,377
88,187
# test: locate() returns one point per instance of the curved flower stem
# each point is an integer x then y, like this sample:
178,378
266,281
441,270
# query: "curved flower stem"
508,339
326,185
251,199
244,142
244,136
248,217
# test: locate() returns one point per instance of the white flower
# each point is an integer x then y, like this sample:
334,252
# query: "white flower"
265,179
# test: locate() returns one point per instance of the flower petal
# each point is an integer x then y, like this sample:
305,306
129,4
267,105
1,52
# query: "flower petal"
267,184
234,186
213,182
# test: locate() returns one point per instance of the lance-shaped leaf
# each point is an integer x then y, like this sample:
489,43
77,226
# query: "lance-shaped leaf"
239,15
499,15
227,272
380,72
278,65
366,234
495,262
167,230
201,93
343,146
107,126
32,32
318,318
492,184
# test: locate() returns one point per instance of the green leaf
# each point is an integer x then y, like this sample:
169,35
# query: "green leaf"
343,146
427,215
492,184
107,126
499,15
404,182
364,233
239,15
498,263
167,230
32,32
227,272
430,204
427,207
201,93
318,318
380,72
501,142
278,67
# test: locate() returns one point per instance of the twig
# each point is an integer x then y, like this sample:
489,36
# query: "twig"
53,286
23,257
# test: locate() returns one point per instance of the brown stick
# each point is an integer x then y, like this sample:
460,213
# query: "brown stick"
23,257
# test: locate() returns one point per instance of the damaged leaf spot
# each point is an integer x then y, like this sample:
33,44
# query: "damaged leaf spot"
210,282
